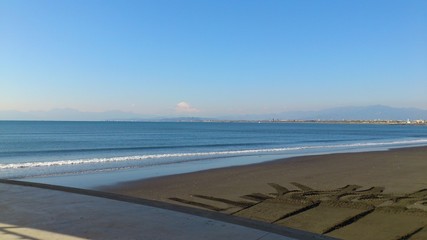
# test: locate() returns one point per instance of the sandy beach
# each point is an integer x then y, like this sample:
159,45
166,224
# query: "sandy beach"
369,195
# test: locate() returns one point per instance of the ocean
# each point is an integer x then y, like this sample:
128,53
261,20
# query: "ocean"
91,154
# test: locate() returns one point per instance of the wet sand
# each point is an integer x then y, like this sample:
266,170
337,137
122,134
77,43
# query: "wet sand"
370,195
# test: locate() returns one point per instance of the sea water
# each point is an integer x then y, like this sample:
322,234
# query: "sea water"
88,154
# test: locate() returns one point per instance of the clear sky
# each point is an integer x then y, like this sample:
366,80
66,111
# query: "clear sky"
212,57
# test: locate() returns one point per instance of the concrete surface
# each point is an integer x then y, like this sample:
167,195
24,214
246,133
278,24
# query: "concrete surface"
28,212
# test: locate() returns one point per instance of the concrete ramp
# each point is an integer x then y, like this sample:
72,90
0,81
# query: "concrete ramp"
38,211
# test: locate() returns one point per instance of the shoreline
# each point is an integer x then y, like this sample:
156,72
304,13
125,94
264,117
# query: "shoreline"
357,195
292,162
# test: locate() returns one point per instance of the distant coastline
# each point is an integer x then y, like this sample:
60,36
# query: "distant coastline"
201,120
376,114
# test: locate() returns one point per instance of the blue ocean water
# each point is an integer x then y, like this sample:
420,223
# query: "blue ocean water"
50,150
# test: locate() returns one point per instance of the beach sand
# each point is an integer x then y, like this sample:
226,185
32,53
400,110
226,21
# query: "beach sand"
369,195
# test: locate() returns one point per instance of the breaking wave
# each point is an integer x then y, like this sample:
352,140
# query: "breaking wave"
177,157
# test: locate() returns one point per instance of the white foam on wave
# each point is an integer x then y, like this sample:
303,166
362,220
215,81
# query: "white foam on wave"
200,154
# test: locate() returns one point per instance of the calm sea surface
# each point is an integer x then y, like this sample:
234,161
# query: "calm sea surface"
96,153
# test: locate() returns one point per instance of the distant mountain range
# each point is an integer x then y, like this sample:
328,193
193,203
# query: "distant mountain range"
377,112
67,114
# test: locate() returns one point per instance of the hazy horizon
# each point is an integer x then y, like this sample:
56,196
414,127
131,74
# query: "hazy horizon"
374,112
215,58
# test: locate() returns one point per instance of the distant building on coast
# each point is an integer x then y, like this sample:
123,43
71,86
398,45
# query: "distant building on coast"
419,121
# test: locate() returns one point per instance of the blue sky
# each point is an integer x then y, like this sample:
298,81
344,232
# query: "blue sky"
211,57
